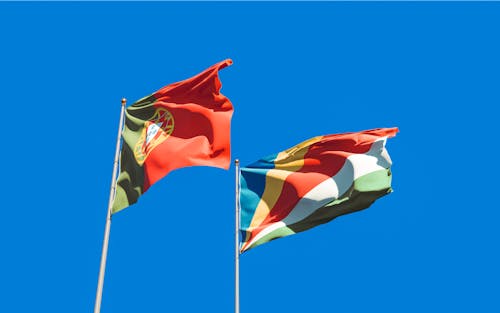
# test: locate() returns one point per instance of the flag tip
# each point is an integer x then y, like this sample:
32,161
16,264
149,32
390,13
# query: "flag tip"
237,161
124,101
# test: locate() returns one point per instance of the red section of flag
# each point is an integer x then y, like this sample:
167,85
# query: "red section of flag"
202,120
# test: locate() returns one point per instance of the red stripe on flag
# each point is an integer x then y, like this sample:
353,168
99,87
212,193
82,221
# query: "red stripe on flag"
201,120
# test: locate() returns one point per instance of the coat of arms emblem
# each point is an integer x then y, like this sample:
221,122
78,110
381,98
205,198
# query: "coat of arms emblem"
155,131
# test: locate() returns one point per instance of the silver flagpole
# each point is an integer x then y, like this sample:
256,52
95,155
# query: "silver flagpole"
100,282
236,241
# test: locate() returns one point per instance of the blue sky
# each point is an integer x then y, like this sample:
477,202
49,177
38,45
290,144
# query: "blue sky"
300,70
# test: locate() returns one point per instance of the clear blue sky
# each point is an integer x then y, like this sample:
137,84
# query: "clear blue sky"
300,70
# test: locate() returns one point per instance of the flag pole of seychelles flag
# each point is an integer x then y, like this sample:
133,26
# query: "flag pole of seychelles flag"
312,183
183,124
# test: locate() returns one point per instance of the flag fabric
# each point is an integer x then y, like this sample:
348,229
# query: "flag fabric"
312,183
183,124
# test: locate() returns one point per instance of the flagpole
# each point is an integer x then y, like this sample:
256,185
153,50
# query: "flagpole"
236,241
100,282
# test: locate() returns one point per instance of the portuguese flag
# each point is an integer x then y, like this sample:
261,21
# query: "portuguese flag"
312,183
183,124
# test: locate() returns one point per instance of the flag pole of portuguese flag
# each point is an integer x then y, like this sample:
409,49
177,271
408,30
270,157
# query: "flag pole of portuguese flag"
183,124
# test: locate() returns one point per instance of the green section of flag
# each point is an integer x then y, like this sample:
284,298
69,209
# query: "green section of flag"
130,184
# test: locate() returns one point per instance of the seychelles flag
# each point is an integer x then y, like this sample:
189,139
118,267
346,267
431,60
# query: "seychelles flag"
183,124
313,183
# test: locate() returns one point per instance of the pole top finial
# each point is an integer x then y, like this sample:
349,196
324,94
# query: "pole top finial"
124,101
237,161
